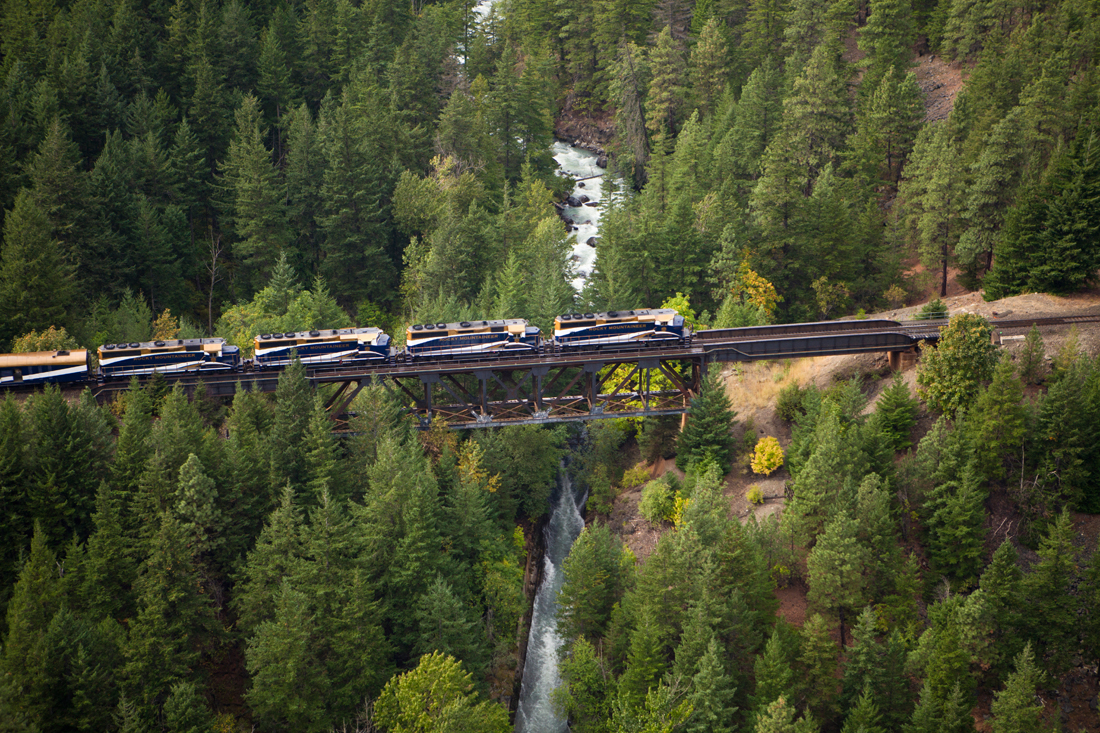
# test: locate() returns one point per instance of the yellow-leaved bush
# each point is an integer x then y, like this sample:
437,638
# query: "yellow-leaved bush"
768,456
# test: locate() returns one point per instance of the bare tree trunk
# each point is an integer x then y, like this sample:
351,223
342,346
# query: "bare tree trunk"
214,270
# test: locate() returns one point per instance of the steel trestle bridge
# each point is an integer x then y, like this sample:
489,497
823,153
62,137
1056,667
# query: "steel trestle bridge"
563,386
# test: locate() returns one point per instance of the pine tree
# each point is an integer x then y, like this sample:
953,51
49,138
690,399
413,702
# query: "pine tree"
817,664
277,554
36,282
712,707
1051,623
15,522
437,694
759,115
109,567
934,193
897,413
999,422
447,626
1001,587
667,90
201,521
775,678
887,39
995,174
837,567
706,437
288,680
322,465
1014,708
293,408
864,717
779,717
645,663
594,580
709,63
36,598
185,710
584,693
255,197
1031,358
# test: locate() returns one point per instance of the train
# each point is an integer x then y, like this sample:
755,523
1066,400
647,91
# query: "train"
354,347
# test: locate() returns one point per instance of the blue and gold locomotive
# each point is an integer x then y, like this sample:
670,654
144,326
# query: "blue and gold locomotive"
620,329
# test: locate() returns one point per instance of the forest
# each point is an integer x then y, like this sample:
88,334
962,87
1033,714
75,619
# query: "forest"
221,168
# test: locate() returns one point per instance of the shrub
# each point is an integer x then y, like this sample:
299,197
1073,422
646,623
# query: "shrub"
789,405
658,501
768,456
635,476
755,495
933,311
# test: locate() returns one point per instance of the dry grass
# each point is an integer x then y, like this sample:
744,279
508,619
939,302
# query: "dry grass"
755,386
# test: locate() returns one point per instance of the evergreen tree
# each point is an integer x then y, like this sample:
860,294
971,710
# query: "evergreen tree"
817,664
110,567
774,675
15,522
293,408
201,522
185,710
710,420
712,708
837,567
896,412
36,281
666,87
999,422
436,695
779,717
594,580
277,554
446,626
255,197
1014,709
864,717
708,66
1051,621
645,664
956,527
584,693
289,683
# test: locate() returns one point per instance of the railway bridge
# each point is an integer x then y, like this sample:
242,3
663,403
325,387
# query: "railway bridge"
557,386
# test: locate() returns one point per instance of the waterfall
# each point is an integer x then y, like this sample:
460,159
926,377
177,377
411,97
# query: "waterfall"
540,672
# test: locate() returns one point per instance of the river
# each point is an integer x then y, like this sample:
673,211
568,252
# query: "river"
535,713
578,163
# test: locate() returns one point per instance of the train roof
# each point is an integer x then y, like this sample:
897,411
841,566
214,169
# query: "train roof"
340,334
204,344
421,328
661,314
72,357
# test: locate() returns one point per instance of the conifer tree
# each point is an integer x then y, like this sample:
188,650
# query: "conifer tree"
36,282
645,663
837,567
999,422
185,711
293,408
36,598
110,567
956,527
817,664
887,39
1001,587
775,678
594,580
897,413
289,683
779,717
759,115
435,694
201,521
277,555
1014,708
708,66
447,626
15,522
712,708
1051,620
173,622
667,86
707,433
584,694
864,717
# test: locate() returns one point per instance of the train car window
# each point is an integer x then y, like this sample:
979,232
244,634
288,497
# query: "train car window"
280,344
194,347
496,329
118,354
581,324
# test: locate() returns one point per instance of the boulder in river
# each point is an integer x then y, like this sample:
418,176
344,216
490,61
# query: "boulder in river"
580,184
601,161
587,223
591,242
583,199
593,204
568,222
572,201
